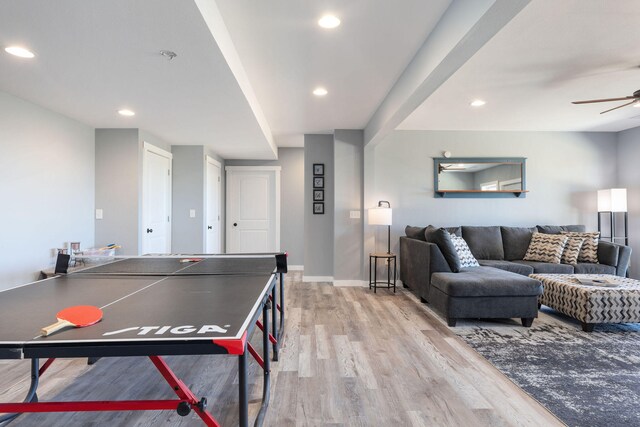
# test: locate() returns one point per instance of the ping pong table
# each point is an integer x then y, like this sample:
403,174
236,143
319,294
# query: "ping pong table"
152,306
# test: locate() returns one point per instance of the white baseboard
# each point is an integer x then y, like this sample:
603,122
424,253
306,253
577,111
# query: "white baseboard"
317,278
353,283
295,267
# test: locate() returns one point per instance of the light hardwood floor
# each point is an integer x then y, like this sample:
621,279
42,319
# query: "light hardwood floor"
349,358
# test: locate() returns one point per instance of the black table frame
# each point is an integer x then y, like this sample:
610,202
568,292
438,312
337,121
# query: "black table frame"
373,278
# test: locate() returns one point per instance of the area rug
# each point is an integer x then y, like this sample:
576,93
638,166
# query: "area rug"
585,379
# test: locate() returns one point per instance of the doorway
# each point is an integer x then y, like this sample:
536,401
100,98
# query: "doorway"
253,209
156,200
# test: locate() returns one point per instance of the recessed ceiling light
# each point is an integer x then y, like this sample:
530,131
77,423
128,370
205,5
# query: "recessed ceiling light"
320,91
125,112
637,104
19,51
329,21
477,103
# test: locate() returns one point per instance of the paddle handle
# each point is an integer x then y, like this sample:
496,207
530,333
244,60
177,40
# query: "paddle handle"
54,327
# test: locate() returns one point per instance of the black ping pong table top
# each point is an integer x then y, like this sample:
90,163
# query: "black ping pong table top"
181,307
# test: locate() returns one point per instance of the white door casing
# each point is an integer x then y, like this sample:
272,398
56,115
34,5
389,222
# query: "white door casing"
156,200
253,209
213,198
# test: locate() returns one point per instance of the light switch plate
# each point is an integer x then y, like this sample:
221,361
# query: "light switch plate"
192,213
98,213
354,214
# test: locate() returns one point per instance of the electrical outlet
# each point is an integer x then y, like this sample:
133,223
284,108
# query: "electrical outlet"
98,213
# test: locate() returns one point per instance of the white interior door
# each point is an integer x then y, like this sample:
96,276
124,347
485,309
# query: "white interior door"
213,231
156,196
253,209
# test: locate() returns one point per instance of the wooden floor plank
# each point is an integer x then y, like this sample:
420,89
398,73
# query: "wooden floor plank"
349,357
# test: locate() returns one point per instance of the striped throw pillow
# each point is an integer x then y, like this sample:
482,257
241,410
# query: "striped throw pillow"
589,249
464,253
546,248
572,250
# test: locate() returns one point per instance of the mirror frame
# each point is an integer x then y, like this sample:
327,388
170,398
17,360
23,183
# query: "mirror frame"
479,194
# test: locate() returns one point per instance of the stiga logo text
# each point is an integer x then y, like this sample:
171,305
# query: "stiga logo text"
173,330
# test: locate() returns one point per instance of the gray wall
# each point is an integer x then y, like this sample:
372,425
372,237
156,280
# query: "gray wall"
564,170
348,196
46,188
118,187
188,188
292,204
318,229
629,178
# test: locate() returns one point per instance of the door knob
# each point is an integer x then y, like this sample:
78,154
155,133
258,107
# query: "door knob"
235,224
149,230
209,227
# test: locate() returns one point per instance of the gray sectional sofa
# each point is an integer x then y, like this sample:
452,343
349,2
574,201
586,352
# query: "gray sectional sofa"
500,287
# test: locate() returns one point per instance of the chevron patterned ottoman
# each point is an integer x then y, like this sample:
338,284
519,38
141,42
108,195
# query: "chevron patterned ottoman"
591,304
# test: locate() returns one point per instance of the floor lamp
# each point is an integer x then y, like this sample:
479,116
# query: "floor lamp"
612,201
381,215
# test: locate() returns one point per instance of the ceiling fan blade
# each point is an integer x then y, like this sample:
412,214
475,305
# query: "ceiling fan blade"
604,100
619,106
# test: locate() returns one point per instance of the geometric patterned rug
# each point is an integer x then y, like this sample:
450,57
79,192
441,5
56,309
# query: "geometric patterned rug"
585,379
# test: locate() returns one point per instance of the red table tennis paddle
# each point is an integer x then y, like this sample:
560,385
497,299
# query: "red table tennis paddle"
77,316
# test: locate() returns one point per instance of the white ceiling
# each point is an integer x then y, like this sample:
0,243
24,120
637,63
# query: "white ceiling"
551,53
95,57
245,69
286,55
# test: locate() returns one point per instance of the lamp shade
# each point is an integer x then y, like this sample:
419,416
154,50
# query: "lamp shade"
612,200
380,216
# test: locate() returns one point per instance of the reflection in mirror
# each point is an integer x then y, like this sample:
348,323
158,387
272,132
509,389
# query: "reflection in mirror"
502,176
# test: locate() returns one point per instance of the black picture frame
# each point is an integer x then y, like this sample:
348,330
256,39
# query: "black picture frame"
318,182
318,169
318,208
318,195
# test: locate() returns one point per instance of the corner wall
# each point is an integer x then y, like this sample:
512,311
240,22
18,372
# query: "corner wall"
318,229
118,183
47,188
188,192
629,178
348,257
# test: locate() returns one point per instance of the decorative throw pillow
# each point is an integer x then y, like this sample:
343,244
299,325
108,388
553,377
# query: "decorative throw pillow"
442,239
546,248
464,253
571,250
589,249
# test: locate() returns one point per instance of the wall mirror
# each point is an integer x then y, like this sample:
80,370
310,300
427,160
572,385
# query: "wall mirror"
480,177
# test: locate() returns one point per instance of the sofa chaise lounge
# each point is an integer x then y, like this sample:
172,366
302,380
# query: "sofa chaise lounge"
500,286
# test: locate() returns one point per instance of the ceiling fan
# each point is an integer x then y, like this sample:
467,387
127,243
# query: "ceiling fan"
450,167
632,100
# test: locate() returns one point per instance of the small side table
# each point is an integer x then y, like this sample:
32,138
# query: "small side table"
373,263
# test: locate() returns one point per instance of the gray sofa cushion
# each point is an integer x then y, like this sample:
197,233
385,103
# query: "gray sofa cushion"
513,267
484,242
415,232
587,268
441,237
515,241
485,282
547,267
608,253
556,229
